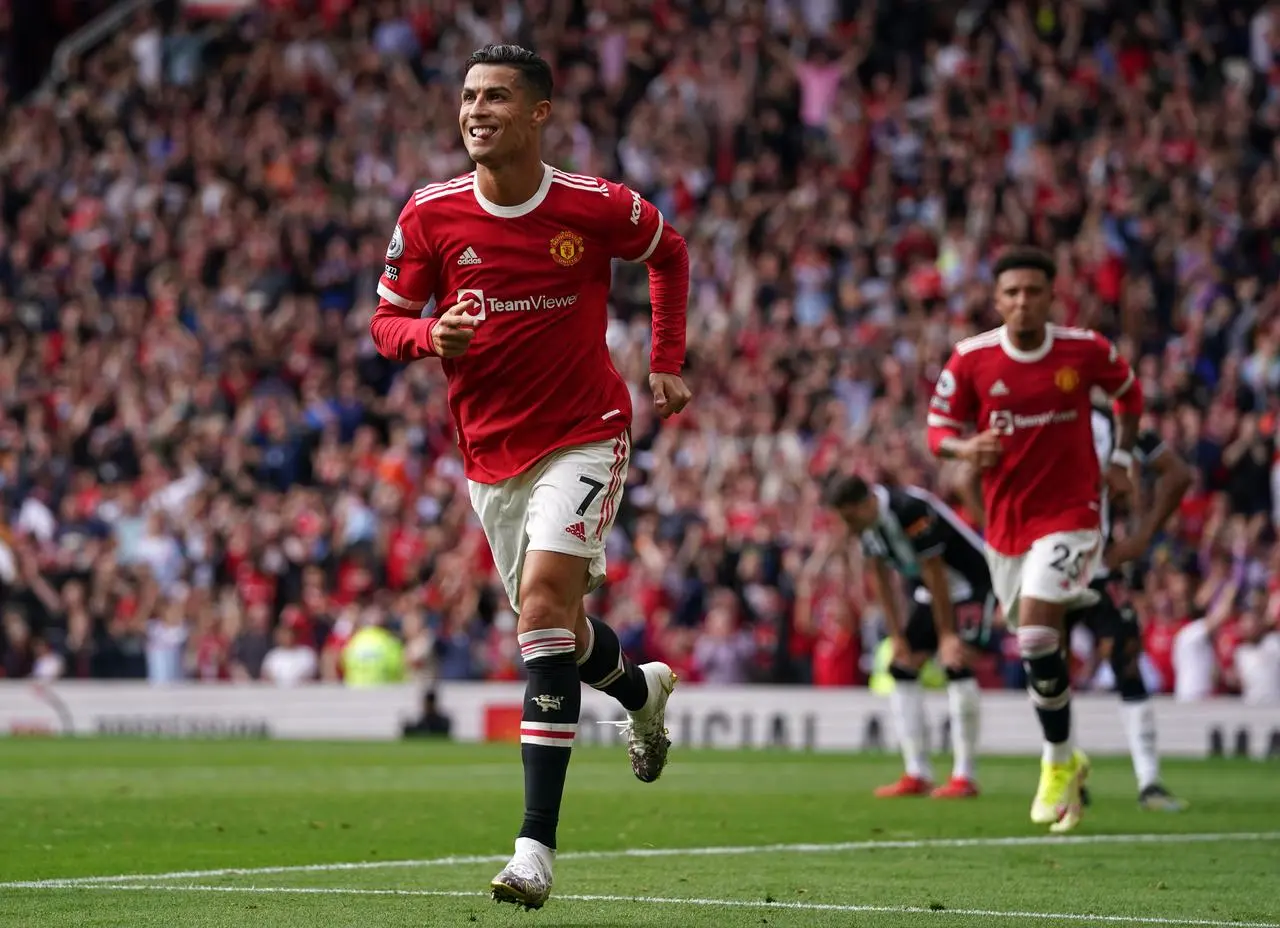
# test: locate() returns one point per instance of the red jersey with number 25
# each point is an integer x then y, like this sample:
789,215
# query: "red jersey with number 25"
537,376
1047,478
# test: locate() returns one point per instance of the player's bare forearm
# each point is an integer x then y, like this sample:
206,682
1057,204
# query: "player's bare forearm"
934,574
1127,431
1172,484
882,580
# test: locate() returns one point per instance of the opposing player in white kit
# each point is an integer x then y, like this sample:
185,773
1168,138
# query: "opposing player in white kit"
517,258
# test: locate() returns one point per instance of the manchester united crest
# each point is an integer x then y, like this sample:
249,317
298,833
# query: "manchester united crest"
566,249
1066,379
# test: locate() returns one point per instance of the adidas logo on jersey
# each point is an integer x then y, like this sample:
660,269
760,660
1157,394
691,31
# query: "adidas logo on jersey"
578,530
469,257
997,389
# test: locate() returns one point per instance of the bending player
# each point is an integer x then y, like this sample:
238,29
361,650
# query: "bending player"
1115,627
516,257
1028,382
912,532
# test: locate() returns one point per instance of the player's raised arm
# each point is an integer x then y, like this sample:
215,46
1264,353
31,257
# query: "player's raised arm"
408,280
642,234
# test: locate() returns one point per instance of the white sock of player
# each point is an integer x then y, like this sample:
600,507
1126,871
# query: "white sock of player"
962,700
1140,725
907,702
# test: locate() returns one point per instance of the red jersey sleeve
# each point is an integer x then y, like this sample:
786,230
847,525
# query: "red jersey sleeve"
1112,373
636,231
634,227
408,282
953,408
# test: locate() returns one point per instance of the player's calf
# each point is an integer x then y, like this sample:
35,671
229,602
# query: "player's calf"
552,704
906,702
963,708
1049,685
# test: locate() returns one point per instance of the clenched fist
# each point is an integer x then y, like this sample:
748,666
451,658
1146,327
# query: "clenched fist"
454,330
670,395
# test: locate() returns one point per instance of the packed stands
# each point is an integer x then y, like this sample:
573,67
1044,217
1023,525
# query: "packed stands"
202,458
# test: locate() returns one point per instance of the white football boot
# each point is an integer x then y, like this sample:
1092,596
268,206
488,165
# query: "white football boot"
526,880
646,730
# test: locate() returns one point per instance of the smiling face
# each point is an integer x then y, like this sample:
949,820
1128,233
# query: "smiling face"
499,117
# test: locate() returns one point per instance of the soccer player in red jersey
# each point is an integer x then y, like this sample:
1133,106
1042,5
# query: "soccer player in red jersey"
1028,384
517,259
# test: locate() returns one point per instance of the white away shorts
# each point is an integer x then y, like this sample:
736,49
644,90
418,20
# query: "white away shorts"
565,503
1055,569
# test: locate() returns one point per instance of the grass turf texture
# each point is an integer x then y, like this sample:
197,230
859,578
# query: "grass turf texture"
80,808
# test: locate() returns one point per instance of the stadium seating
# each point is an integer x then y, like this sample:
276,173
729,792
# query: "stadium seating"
202,457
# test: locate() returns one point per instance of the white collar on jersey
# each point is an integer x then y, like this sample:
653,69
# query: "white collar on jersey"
1025,357
522,209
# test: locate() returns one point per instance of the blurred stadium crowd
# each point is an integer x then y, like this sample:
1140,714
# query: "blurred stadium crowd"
203,460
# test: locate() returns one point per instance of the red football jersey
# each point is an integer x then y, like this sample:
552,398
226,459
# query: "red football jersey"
1047,478
537,375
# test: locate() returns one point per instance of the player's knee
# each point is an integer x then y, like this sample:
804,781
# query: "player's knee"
543,606
1048,681
956,674
1038,640
905,674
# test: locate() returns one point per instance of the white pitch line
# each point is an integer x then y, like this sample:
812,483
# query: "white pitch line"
721,851
717,903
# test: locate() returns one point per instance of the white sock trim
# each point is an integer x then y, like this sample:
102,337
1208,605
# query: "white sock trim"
591,643
546,642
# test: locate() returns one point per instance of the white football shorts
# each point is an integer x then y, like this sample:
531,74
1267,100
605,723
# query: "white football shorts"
1055,569
566,503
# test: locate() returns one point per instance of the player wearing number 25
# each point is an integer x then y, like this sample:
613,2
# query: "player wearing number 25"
1026,388
517,259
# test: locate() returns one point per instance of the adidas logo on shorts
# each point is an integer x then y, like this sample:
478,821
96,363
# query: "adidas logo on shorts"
578,530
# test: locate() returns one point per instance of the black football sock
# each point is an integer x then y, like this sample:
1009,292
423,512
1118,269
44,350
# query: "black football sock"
552,703
1049,684
604,666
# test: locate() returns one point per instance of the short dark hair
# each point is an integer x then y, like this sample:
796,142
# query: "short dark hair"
847,491
1025,258
534,70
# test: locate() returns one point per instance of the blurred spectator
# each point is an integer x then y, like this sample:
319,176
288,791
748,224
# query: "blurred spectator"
724,652
432,723
291,661
373,656
1257,657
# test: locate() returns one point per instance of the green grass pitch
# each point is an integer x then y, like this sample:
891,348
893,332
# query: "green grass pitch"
423,827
